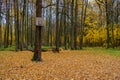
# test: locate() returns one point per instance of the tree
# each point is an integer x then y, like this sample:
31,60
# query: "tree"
65,27
50,24
108,5
6,36
0,24
11,24
83,17
72,26
38,40
76,24
23,23
107,23
16,18
57,25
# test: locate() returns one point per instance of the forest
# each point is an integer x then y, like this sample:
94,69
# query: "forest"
79,32
70,24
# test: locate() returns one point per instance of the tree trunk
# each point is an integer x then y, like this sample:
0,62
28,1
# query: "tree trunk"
16,25
57,26
76,22
38,40
50,23
83,17
65,28
72,25
7,22
112,26
0,24
107,23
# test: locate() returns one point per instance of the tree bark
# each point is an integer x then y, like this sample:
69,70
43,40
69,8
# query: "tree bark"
57,26
38,41
0,24
75,27
107,23
72,25
83,17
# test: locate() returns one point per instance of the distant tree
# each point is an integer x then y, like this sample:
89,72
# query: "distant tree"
11,23
0,23
7,28
16,19
57,26
72,24
31,26
50,24
76,24
107,23
48,27
83,17
109,12
65,25
23,39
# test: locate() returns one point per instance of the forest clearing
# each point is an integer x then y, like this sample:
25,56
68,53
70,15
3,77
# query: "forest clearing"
88,64
59,39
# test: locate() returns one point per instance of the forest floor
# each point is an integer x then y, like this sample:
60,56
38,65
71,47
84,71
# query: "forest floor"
66,65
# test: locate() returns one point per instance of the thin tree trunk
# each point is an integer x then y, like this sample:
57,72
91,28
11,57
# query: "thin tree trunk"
11,24
83,17
24,24
60,29
50,23
57,26
76,22
16,24
27,27
31,37
0,24
112,25
72,25
65,28
48,28
7,22
107,23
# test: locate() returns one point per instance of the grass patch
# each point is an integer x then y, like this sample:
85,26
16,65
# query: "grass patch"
111,51
10,48
115,52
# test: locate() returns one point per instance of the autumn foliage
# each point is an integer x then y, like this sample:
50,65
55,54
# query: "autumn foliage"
67,65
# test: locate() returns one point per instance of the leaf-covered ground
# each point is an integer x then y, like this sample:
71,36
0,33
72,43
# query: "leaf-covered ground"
66,65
